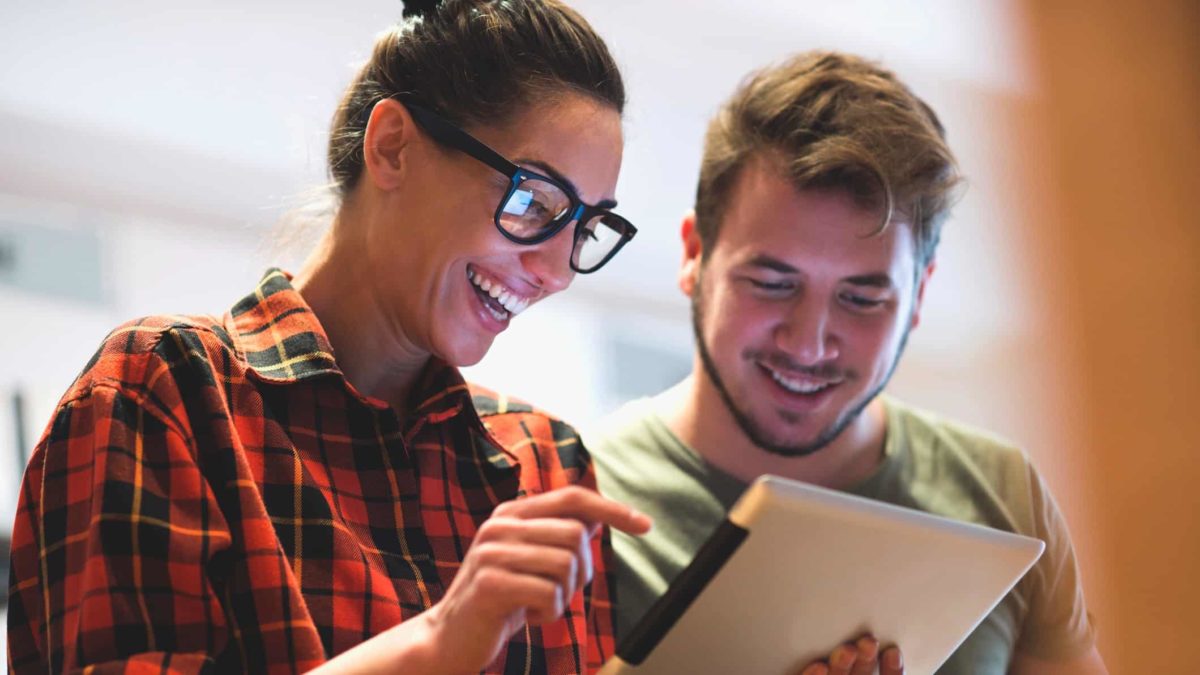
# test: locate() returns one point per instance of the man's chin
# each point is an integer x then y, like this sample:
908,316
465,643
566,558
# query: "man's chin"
795,434
793,447
789,443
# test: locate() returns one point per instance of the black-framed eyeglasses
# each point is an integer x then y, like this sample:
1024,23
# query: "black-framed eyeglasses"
535,207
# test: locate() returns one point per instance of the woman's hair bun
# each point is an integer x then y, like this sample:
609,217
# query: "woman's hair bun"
476,62
419,7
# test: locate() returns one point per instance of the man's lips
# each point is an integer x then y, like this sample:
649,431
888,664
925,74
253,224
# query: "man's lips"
801,381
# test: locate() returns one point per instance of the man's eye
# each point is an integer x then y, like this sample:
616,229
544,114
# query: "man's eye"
771,285
860,302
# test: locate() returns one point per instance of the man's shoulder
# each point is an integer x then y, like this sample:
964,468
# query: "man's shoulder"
962,471
931,435
632,423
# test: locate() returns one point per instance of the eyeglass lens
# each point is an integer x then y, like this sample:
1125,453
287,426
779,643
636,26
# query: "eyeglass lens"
535,206
596,240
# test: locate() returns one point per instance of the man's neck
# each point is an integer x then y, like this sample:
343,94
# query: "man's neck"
698,416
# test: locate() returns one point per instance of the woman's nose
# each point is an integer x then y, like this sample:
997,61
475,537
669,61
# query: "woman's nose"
549,262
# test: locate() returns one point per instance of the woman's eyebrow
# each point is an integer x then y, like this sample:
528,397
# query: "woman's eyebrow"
558,176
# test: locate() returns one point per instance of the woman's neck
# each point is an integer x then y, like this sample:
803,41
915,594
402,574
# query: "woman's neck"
371,351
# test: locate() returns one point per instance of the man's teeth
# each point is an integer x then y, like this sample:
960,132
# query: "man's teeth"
511,302
798,386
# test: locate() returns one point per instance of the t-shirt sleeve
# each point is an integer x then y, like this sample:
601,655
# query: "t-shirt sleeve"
1058,625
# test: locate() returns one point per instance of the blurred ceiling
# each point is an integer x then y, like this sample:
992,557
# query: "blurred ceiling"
221,107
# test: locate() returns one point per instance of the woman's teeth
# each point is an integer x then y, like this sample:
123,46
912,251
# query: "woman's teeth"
511,302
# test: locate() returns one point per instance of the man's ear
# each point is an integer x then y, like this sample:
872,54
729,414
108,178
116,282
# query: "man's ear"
693,253
920,299
389,134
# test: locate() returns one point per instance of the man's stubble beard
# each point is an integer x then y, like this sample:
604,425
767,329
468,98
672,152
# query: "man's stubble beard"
749,426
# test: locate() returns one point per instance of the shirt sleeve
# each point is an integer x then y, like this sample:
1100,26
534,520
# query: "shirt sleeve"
1058,625
115,528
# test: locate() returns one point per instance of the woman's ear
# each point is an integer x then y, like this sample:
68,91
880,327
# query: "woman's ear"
388,137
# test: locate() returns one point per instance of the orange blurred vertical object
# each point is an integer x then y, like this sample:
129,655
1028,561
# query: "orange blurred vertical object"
1119,108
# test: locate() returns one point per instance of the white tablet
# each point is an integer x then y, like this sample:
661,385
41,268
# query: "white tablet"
796,570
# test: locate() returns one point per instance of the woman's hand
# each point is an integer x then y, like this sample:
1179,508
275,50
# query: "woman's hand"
525,564
527,561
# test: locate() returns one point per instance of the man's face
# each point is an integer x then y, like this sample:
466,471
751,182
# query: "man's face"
800,311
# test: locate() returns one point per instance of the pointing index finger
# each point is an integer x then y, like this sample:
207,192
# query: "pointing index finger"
580,504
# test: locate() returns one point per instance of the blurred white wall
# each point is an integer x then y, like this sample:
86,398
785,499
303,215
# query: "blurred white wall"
178,134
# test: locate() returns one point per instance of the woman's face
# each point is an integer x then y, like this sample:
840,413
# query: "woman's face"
449,280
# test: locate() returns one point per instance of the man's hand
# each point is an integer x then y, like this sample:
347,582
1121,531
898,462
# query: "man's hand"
859,658
526,563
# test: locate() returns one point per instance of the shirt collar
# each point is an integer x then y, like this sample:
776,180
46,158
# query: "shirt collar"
282,341
441,393
277,333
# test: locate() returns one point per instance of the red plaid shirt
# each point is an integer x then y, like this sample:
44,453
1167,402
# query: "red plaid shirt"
213,496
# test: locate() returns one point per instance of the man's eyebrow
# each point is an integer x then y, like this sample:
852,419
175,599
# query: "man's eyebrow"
879,280
558,176
771,263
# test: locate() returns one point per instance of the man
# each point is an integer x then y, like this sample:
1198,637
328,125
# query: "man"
822,192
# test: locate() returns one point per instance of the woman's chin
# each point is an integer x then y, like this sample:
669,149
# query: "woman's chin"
463,356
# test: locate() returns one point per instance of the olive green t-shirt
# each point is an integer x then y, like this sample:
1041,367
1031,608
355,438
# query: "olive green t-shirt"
929,464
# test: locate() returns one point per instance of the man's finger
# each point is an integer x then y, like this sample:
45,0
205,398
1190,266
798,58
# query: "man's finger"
581,504
842,660
892,662
868,656
817,668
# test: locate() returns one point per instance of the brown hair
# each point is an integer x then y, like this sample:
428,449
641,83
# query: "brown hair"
474,61
840,122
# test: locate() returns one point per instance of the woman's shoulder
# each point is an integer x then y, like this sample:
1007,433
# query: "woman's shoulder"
135,354
501,412
533,436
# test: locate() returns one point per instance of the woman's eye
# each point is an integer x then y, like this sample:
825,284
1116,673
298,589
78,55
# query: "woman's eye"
546,211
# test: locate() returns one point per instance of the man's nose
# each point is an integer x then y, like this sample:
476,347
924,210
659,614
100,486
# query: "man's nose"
806,333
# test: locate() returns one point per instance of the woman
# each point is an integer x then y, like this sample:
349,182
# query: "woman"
307,481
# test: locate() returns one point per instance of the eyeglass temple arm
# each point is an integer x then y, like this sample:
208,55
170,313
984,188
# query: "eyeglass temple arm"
451,135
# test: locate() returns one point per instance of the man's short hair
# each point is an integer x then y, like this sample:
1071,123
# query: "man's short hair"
834,121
